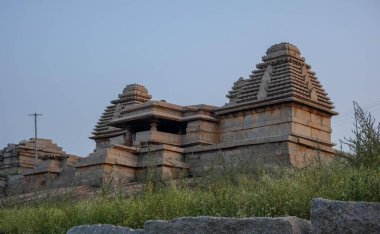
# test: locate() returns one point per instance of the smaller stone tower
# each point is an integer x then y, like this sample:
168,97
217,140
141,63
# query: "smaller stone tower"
133,94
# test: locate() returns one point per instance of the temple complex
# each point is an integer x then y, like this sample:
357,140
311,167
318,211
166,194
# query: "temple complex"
280,115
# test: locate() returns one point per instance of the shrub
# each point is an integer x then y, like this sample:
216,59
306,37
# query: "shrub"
365,144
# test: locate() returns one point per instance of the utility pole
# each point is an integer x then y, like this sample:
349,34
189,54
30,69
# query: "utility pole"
35,115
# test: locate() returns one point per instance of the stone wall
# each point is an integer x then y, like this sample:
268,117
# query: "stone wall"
40,181
311,123
168,160
250,154
262,122
105,163
303,152
200,132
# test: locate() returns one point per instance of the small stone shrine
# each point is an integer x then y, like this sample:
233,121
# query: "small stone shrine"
23,173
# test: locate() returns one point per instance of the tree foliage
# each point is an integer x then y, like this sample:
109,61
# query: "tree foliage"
365,142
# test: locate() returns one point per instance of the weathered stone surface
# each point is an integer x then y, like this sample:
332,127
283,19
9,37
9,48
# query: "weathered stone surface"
344,217
102,229
281,225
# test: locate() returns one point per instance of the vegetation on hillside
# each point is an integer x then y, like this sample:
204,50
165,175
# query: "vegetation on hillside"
280,193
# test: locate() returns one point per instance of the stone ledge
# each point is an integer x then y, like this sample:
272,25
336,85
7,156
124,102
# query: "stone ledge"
53,169
313,143
153,148
227,145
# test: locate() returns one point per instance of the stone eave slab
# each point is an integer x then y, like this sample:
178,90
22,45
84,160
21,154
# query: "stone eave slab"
54,170
153,113
161,147
164,162
124,147
150,105
167,105
199,107
119,122
107,134
102,161
270,101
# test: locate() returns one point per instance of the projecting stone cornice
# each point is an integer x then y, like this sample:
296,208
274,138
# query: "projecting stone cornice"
230,108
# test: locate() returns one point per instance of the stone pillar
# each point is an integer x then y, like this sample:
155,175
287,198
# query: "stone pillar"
153,125
128,137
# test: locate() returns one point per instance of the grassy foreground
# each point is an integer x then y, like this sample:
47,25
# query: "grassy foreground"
258,193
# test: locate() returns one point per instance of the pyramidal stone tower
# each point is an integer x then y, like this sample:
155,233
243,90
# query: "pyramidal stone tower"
283,73
281,107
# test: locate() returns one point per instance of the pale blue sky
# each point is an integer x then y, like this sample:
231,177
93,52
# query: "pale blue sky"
69,59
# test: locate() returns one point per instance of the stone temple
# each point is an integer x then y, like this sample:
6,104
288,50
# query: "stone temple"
280,115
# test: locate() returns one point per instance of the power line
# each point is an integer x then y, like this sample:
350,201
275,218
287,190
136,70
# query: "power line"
35,115
366,107
350,119
350,116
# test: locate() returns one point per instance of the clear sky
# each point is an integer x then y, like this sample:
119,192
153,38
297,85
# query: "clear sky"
69,59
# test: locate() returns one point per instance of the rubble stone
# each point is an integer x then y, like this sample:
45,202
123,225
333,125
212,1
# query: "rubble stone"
280,225
102,229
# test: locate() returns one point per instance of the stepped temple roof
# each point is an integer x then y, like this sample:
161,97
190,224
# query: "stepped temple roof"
283,73
132,94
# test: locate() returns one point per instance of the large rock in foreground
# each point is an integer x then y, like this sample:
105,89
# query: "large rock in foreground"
344,217
102,229
282,225
203,224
